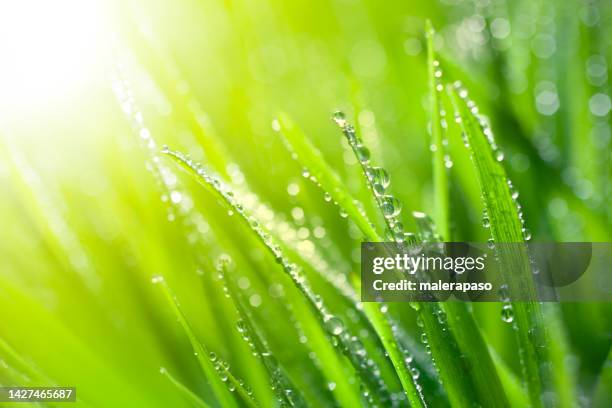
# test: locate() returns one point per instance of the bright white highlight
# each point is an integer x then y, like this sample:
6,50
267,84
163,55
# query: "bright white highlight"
49,50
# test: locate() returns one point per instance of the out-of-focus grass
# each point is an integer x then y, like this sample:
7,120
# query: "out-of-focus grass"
85,226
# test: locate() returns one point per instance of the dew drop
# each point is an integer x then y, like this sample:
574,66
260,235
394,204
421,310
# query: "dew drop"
504,295
391,206
526,234
241,326
415,373
507,314
334,325
486,223
340,118
362,153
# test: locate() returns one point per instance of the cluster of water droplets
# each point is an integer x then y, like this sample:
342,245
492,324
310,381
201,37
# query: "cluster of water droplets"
443,123
482,121
222,368
378,181
327,195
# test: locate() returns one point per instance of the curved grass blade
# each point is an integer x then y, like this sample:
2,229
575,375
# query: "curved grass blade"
310,157
461,389
350,346
460,319
505,220
286,393
183,390
204,357
377,180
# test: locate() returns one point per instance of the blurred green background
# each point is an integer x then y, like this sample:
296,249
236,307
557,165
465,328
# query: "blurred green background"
85,225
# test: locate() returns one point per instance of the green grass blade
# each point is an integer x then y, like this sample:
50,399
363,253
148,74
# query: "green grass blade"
183,390
283,388
472,344
511,383
468,336
460,319
461,389
309,156
506,224
438,146
333,325
217,385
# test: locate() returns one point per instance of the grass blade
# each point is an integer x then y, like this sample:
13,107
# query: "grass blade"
460,319
183,390
286,393
506,224
461,389
309,156
217,385
439,142
350,346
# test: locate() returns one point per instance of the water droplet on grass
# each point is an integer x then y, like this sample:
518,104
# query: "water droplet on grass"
391,206
334,325
507,313
340,118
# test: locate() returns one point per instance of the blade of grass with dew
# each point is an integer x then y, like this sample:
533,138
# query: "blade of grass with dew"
203,356
460,319
183,390
221,367
333,325
506,226
461,390
296,311
308,155
440,177
286,393
468,337
311,158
